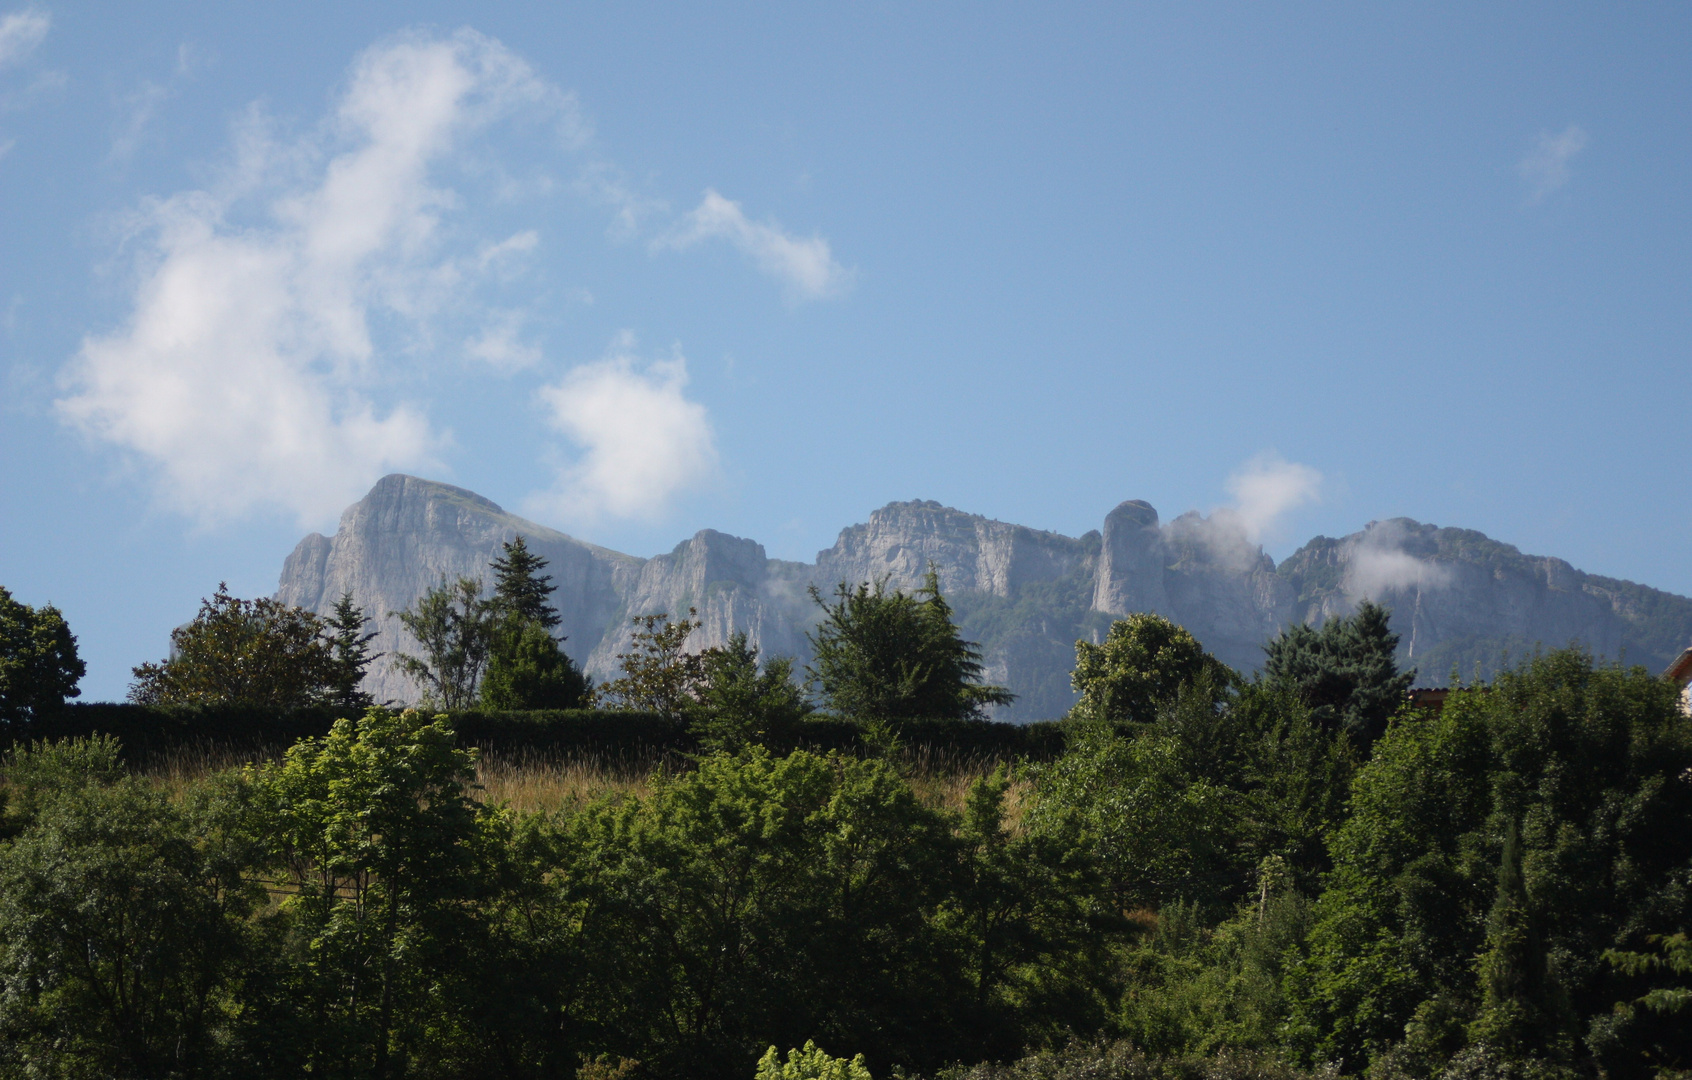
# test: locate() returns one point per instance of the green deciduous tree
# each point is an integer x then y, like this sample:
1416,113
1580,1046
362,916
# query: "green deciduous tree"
39,667
658,673
123,922
454,625
243,652
888,656
1591,762
1140,667
760,899
384,858
810,1063
1345,671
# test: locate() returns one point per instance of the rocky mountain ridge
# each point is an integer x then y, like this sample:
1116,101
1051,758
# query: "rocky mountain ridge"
1026,595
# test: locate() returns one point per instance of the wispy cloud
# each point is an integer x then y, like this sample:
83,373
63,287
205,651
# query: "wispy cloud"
1378,563
1546,166
21,32
641,441
804,264
140,106
244,373
1268,487
500,343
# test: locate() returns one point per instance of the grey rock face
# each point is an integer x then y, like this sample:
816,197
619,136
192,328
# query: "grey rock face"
1023,594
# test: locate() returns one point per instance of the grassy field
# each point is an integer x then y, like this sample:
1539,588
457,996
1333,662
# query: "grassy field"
533,781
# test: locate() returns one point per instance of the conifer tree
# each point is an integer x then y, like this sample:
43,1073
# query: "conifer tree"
352,656
1518,999
520,588
1345,672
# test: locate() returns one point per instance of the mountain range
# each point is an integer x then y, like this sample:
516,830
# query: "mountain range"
1461,602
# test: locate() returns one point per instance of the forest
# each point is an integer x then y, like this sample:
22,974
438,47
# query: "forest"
1200,874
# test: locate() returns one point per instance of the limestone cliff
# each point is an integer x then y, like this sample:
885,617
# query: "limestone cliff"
1024,594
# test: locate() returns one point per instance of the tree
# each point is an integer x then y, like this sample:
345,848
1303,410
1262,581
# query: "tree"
811,1063
384,859
1589,760
658,675
527,665
739,704
350,645
887,656
519,587
124,916
243,652
1345,671
1141,666
454,623
527,670
39,667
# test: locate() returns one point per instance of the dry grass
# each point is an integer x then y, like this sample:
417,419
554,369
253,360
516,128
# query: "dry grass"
541,781
531,781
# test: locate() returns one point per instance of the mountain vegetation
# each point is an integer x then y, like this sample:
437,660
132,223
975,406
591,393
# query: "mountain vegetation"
1284,875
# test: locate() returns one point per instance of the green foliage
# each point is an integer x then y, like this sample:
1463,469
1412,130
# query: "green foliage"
1197,988
811,1063
1590,761
758,899
350,648
243,652
520,589
1674,955
740,705
381,854
658,674
886,657
1122,1060
455,625
1157,831
123,919
1140,667
528,670
39,667
37,772
1344,672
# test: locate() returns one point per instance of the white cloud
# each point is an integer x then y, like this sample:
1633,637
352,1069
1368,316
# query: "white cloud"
1266,488
20,33
805,265
243,375
1377,563
642,441
1546,167
500,344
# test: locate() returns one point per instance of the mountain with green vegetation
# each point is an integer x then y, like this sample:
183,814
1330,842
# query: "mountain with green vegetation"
1459,600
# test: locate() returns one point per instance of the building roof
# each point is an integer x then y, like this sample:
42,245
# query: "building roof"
1681,670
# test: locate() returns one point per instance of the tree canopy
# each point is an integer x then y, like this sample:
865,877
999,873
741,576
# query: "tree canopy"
520,589
244,652
39,665
1345,671
887,656
1142,665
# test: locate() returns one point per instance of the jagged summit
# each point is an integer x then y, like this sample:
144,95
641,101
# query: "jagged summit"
1024,594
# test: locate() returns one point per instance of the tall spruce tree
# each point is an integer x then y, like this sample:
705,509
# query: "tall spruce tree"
520,588
350,643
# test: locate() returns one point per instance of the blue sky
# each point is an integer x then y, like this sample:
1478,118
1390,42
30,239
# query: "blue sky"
636,270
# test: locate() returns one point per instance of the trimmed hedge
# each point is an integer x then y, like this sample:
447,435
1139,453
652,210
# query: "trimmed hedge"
146,730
